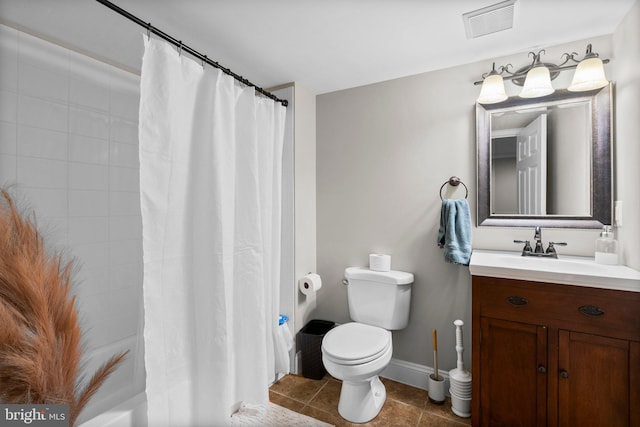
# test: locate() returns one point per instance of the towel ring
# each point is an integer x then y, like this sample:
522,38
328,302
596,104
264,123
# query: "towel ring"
454,181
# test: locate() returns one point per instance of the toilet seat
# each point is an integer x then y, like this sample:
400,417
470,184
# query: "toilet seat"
355,343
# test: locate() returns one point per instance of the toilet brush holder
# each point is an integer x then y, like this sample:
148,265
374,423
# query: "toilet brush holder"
436,389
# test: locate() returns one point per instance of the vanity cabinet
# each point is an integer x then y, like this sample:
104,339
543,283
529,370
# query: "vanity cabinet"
549,354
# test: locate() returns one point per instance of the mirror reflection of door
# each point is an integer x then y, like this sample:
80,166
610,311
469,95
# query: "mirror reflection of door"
531,167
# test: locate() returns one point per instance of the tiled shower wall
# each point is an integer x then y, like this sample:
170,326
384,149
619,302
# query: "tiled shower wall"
69,145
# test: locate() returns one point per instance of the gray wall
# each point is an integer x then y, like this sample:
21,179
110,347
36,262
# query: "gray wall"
384,150
626,41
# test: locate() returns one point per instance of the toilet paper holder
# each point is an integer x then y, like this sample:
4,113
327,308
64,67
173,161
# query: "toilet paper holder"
310,283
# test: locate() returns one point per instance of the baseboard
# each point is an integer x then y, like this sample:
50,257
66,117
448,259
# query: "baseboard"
411,373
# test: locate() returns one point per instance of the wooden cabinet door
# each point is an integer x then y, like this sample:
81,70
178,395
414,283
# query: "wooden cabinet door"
513,373
594,376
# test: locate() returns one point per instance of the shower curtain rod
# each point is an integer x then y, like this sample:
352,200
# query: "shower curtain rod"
183,47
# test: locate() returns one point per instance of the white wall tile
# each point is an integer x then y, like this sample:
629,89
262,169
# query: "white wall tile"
54,232
94,319
122,203
87,230
89,94
42,173
125,105
92,255
124,179
125,227
126,276
42,113
86,176
8,106
124,305
46,202
88,123
8,59
43,83
125,252
88,150
88,203
89,281
43,143
123,130
8,138
8,169
124,155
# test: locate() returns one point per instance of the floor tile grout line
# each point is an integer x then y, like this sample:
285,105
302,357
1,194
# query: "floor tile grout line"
318,392
295,399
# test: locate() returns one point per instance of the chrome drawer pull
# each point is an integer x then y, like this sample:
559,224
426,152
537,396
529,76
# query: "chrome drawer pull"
517,301
591,311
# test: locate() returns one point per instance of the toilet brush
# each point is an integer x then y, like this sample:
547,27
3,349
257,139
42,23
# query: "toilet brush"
435,381
435,355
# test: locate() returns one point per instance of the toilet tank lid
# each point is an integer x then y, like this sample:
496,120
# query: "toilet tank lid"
392,277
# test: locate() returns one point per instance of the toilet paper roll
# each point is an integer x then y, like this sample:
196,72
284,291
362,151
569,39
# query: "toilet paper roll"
379,262
310,283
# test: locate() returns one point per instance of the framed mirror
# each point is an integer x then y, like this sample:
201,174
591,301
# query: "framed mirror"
546,161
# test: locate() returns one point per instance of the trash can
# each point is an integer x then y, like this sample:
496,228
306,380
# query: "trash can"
311,347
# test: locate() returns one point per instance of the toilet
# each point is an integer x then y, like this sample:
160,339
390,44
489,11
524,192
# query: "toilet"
356,352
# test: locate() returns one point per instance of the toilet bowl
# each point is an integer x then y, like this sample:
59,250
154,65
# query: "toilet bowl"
356,353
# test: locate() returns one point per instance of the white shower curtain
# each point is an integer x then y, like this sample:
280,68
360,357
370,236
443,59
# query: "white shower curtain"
210,179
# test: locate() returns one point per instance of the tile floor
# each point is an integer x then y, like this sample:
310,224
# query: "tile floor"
405,405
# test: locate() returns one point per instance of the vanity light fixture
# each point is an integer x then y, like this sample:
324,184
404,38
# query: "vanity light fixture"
536,77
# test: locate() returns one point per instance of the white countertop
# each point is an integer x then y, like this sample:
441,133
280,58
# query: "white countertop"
566,270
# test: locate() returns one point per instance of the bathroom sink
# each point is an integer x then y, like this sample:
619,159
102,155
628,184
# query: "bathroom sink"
568,270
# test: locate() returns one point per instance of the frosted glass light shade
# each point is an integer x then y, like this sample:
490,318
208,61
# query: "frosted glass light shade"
492,90
537,83
589,75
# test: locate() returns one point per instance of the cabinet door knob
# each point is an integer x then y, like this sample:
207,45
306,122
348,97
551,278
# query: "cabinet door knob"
542,369
564,374
517,301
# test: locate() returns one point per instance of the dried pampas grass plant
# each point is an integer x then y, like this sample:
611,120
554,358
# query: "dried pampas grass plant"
40,339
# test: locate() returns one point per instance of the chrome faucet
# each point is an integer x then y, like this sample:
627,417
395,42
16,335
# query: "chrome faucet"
538,236
539,248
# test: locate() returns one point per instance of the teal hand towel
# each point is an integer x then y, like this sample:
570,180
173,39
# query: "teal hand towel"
454,234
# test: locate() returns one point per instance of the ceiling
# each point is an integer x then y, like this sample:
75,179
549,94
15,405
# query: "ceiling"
324,45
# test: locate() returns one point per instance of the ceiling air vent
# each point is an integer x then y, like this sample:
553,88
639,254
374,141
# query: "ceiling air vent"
490,19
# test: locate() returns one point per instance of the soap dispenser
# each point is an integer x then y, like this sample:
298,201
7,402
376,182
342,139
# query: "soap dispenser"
606,247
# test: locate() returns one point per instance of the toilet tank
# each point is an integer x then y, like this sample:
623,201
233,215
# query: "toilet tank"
379,298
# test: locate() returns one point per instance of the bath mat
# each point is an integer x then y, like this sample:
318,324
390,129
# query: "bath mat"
271,415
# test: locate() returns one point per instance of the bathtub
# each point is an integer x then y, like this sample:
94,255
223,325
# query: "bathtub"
131,413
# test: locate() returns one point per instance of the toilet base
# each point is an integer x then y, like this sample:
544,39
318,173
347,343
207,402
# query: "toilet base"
361,401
